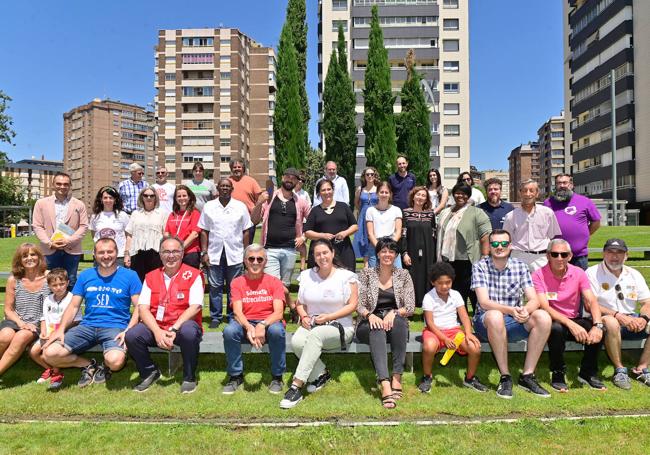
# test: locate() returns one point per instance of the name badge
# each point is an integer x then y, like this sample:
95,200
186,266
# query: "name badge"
180,296
160,313
551,295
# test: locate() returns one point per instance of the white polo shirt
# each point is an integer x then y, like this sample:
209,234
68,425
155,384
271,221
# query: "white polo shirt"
226,226
607,288
444,313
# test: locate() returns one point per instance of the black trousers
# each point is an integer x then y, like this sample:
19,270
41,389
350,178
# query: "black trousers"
144,262
556,344
377,338
463,282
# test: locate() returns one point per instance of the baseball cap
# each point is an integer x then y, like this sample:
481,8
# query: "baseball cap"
615,244
292,171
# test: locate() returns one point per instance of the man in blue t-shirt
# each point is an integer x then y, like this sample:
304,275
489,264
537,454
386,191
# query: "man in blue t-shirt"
401,183
108,292
494,207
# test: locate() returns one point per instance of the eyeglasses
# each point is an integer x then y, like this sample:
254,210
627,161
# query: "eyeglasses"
253,259
562,254
160,173
619,292
171,253
149,196
140,173
503,243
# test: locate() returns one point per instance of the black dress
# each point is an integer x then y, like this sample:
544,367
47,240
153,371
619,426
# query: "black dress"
418,240
339,220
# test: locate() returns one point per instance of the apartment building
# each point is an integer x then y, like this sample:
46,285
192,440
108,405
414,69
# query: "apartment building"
35,176
101,139
523,164
438,32
550,137
215,99
601,36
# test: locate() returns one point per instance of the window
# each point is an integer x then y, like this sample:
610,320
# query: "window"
397,21
198,124
452,151
450,45
198,42
170,141
451,4
224,107
451,172
224,92
170,93
224,142
225,75
225,125
340,5
198,59
451,109
451,87
343,24
191,108
451,66
197,91
450,24
170,109
170,59
452,130
170,76
399,43
224,59
225,42
198,140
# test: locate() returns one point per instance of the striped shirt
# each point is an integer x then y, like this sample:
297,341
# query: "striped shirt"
129,191
506,286
28,304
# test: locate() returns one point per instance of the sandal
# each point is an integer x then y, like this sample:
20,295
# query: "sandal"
397,393
388,402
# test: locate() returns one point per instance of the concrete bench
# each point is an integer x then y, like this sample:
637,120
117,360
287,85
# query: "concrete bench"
212,343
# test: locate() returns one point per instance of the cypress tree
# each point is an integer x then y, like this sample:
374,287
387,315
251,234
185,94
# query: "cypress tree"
288,125
339,127
379,121
297,18
413,124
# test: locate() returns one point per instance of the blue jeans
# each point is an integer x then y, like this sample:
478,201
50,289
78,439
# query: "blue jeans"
80,338
67,261
373,261
280,263
234,336
580,261
515,331
220,276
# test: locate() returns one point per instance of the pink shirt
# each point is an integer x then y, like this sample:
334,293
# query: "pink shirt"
563,294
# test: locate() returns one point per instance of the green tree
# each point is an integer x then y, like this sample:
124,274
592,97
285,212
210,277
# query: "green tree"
289,128
6,122
314,164
10,190
379,121
339,127
413,124
297,20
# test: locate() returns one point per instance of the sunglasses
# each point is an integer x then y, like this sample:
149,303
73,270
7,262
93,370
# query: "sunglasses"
140,173
253,259
149,196
370,174
619,292
160,173
562,254
503,243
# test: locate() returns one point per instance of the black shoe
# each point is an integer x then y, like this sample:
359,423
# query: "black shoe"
474,384
425,384
558,382
102,374
319,382
214,324
189,386
88,374
148,381
291,398
504,390
529,382
591,381
233,384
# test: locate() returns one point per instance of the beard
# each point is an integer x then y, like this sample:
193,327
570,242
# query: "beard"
563,195
289,186
613,267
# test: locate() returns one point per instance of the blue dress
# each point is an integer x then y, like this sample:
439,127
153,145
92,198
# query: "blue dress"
362,247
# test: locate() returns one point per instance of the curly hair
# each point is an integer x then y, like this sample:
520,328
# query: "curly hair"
98,205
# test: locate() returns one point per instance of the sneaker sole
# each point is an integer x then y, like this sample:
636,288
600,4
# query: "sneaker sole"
187,392
424,391
469,386
227,392
585,382
533,393
275,392
92,381
312,389
289,404
505,397
560,388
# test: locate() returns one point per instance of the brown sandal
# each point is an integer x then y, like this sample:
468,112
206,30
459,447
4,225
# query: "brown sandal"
388,402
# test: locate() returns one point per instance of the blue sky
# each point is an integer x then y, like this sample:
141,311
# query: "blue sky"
59,54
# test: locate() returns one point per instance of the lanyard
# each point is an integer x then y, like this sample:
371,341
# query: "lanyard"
180,223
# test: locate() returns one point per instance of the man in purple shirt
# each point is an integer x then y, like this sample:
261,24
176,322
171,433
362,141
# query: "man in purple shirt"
402,182
577,216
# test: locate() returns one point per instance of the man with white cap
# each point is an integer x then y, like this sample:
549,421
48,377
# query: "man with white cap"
619,290
130,188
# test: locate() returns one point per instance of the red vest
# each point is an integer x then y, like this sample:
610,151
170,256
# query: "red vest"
176,298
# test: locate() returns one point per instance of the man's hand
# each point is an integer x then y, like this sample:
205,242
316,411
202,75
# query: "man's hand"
638,324
595,335
59,244
120,337
251,334
520,314
299,241
263,197
162,339
626,321
260,334
205,260
578,332
406,259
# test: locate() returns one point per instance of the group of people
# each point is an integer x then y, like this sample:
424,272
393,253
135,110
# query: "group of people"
524,271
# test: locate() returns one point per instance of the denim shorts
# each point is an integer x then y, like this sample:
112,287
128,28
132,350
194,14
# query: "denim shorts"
628,335
81,338
515,331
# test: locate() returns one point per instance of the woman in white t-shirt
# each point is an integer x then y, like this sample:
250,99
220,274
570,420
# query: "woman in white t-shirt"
327,298
383,220
109,220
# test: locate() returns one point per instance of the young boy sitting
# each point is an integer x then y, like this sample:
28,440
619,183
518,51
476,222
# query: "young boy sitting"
442,307
53,307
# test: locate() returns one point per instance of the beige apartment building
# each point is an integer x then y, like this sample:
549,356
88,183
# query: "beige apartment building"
550,137
523,165
215,100
100,140
35,176
438,32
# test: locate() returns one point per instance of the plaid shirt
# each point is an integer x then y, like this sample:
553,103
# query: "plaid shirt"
129,191
506,286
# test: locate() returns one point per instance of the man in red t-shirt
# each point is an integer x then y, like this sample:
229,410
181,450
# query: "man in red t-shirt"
257,304
170,307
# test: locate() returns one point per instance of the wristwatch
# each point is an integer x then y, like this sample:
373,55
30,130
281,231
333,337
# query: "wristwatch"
173,329
643,316
263,323
599,325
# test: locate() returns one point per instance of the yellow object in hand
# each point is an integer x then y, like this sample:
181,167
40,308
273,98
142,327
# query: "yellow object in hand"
458,339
